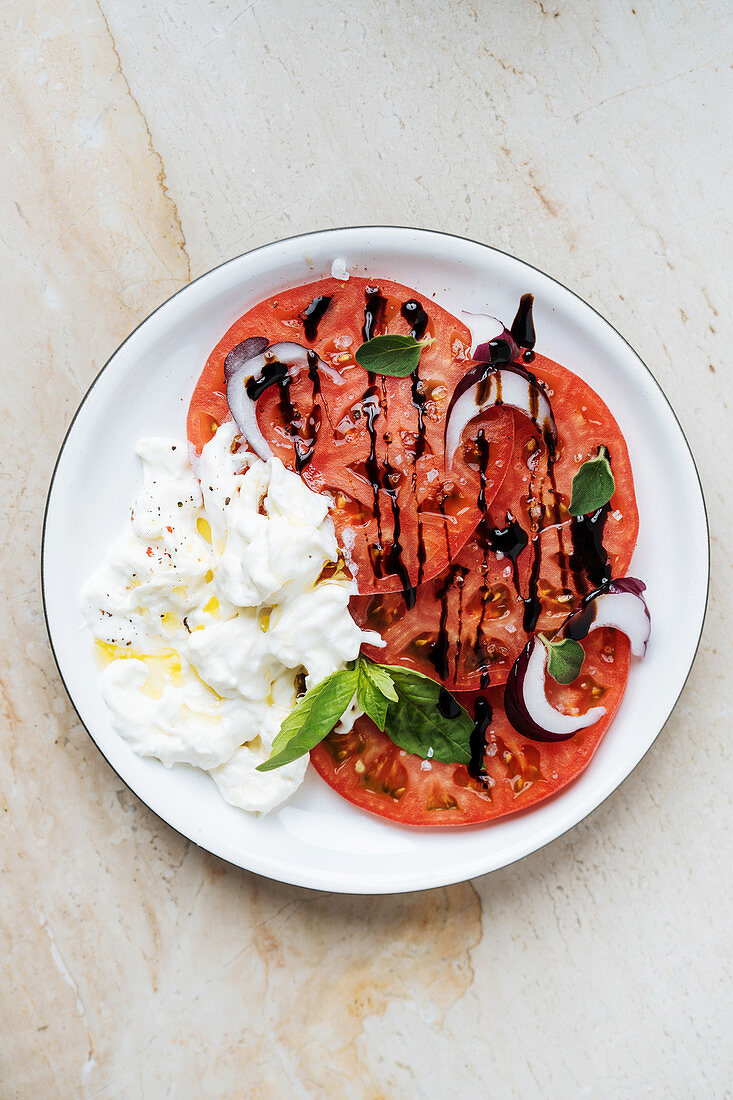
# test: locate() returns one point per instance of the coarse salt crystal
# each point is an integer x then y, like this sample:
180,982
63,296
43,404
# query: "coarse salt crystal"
338,268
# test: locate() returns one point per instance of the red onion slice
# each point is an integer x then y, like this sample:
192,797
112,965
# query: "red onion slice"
485,331
252,367
485,385
618,604
527,707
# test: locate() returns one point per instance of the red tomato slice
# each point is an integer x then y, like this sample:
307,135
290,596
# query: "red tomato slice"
519,570
369,770
375,444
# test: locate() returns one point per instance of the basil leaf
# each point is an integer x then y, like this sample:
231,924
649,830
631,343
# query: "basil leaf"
373,703
593,485
375,690
312,718
416,724
396,356
379,677
564,659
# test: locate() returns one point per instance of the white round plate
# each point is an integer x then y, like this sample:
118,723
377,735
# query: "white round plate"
318,839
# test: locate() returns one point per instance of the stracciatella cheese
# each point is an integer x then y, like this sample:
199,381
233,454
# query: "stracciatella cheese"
211,610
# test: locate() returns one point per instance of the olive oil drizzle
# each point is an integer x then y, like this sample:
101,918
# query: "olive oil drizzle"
312,314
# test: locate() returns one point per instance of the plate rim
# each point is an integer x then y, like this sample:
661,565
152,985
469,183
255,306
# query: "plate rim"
387,887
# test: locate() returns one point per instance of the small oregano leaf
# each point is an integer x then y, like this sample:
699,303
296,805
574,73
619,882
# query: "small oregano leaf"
593,485
417,724
397,356
564,659
312,718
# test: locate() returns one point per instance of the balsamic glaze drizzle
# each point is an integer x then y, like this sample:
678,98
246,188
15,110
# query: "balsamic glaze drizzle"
373,312
482,715
304,449
278,374
509,541
272,375
417,318
532,604
482,445
523,327
394,562
556,518
579,625
589,559
312,314
370,406
440,649
478,645
447,705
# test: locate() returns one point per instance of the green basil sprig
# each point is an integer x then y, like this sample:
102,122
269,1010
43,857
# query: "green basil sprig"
593,485
401,702
416,722
564,659
312,718
397,356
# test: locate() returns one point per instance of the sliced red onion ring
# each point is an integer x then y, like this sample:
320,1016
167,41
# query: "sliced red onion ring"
485,385
528,708
485,331
618,604
252,367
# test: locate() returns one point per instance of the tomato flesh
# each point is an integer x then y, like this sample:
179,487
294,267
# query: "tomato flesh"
373,443
519,570
370,771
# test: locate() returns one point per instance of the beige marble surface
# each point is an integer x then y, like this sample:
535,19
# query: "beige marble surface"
147,140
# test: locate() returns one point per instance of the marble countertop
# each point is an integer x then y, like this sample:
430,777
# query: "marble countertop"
147,142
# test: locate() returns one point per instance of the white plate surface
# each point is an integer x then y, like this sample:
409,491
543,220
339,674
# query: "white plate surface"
318,839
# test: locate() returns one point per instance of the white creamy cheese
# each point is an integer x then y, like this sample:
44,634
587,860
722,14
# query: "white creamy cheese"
209,609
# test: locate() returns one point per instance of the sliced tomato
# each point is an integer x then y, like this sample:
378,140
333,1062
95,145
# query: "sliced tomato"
374,443
369,770
524,567
466,627
576,555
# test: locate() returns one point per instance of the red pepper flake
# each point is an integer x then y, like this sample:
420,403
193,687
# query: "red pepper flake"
149,551
170,529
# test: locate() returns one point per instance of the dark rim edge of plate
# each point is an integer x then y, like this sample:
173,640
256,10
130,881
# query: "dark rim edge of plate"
460,876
